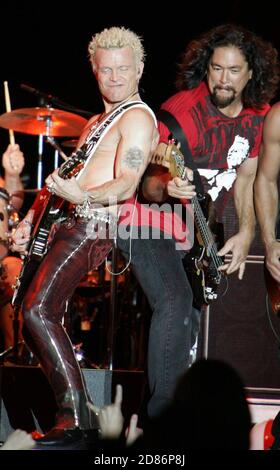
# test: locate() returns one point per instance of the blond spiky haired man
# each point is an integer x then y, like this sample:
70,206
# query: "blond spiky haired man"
115,148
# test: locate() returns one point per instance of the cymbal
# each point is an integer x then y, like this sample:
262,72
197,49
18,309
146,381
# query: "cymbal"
70,143
45,121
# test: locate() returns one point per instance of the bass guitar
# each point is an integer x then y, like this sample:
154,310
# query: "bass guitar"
202,261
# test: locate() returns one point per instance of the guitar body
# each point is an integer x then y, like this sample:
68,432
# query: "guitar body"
199,267
202,261
52,212
273,290
193,264
39,242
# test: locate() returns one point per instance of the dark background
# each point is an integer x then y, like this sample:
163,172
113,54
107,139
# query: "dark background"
44,44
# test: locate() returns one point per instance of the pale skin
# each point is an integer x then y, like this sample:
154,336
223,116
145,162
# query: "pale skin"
13,163
266,190
18,440
111,420
123,154
227,76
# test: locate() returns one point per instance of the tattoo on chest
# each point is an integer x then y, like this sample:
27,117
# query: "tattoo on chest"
133,158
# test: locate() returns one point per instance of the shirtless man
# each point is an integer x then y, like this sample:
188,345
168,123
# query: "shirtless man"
115,164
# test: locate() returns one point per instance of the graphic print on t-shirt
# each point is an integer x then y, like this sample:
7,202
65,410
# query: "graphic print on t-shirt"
219,144
217,180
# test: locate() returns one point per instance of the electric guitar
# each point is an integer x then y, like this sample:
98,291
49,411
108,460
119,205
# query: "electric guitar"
202,261
52,211
53,205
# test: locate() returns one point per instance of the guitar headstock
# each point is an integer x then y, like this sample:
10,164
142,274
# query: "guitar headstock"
170,156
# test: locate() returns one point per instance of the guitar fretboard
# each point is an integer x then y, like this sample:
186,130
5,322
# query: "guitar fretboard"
200,220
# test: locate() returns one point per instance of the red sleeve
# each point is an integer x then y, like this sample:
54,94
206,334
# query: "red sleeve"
256,148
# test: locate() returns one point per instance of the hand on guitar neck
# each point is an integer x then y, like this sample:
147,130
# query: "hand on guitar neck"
202,262
182,189
164,179
21,236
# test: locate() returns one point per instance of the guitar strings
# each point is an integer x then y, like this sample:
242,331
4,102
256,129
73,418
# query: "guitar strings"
206,234
202,224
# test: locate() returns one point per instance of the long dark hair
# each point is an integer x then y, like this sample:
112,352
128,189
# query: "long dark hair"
260,55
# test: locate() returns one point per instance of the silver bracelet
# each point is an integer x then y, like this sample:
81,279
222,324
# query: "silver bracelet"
85,209
88,200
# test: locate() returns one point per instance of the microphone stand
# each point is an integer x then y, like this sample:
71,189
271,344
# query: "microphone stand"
57,148
40,161
47,120
50,140
46,101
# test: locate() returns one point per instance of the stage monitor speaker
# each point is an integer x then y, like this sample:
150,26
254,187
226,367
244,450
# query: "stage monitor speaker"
27,401
240,328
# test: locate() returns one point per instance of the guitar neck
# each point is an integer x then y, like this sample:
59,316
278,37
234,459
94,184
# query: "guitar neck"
175,158
200,221
205,232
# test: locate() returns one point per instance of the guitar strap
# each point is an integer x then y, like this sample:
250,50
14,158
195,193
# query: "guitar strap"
177,132
96,134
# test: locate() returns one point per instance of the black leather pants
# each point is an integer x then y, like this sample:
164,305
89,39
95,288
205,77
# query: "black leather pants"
72,254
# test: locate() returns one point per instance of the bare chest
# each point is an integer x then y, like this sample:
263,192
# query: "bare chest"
100,166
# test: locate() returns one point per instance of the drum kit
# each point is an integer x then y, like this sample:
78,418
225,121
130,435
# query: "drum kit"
43,121
47,123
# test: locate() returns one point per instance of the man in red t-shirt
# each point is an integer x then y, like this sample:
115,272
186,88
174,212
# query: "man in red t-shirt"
227,78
